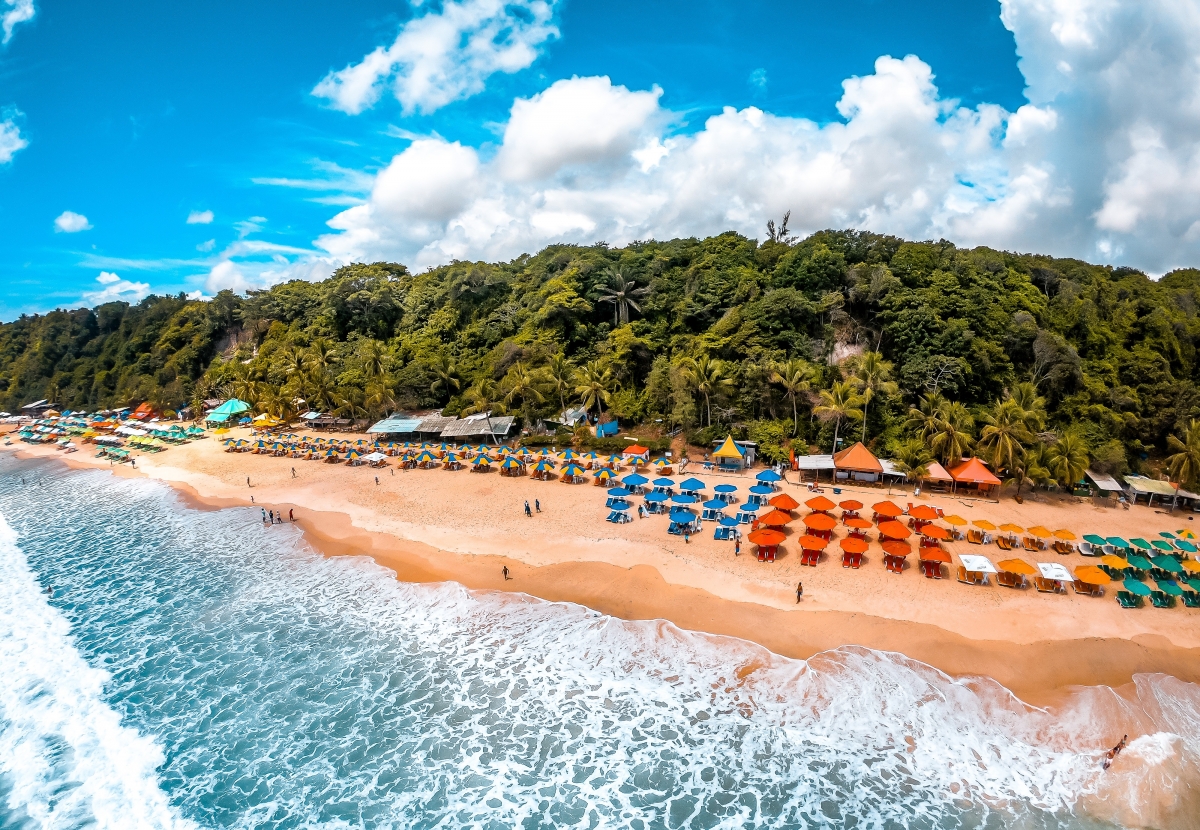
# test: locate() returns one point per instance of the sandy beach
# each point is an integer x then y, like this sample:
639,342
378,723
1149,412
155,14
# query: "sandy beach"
436,525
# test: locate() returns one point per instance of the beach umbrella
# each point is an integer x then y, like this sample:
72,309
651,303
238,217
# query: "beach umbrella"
1017,566
809,542
1065,535
1093,539
621,506
450,458
424,458
725,488
853,505
1115,562
572,470
857,522
784,502
814,521
1009,527
1140,544
1191,565
1168,564
663,482
619,493
818,503
524,452
1040,532
682,516
634,480
1194,584
1166,534
1136,587
923,512
728,521
768,475
1186,546
691,485
481,460
761,490
714,504
568,455
894,530
661,462
602,475
1138,562
894,547
510,464
983,524
775,518
766,536
1161,545
1187,534
683,498
887,508
1169,587
1117,542
935,532
935,555
748,508
955,520
545,465
1092,575
614,460
656,498
853,545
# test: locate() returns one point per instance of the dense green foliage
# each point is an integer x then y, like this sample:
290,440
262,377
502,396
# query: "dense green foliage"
923,349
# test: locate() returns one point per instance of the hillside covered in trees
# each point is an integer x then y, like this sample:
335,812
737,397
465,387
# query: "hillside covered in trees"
925,350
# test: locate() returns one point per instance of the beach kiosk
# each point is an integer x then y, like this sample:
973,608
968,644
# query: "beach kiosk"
857,463
729,455
973,473
636,454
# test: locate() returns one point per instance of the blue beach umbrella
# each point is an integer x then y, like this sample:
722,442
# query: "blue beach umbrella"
714,504
663,482
683,516
761,490
656,498
619,506
729,521
768,475
683,498
634,480
692,485
725,488
619,493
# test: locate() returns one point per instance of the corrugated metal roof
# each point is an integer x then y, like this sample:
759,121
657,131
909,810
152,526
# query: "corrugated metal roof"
814,462
397,424
1105,482
434,423
498,426
1141,484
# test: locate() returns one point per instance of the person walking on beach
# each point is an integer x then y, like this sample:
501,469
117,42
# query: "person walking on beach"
687,537
799,591
737,546
264,512
537,503
247,481
1112,754
528,512
291,515
293,472
505,572
271,514
376,481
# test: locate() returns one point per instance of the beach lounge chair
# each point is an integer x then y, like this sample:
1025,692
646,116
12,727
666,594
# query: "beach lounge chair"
1004,542
1047,586
1086,549
1127,600
1088,590
810,558
1007,580
1030,544
1160,599
1191,599
963,578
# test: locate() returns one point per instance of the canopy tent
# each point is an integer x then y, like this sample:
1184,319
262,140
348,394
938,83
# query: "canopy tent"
936,472
974,473
857,462
729,454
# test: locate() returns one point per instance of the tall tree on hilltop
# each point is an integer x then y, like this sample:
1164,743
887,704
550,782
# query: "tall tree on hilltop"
795,378
838,403
622,292
873,375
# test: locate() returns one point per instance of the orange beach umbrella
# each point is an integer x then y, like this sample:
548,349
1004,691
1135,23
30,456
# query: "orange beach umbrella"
857,523
923,512
1040,532
983,524
956,520
819,521
765,536
851,505
853,545
1009,527
784,502
813,542
887,508
894,530
1016,566
934,555
894,547
1092,575
1065,535
819,503
776,518
935,532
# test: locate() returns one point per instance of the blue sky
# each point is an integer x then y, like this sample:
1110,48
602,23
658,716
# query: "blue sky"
122,120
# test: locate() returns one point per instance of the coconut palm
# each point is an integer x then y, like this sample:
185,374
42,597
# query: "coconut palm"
839,402
1005,435
1030,468
559,374
592,384
1184,463
484,398
522,386
925,419
912,458
1069,459
795,378
707,376
621,291
953,437
374,359
873,375
321,355
445,376
1031,404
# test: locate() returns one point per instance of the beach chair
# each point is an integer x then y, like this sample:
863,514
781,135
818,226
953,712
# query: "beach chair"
1004,543
810,558
1046,586
1030,544
1161,599
1191,599
1128,600
963,578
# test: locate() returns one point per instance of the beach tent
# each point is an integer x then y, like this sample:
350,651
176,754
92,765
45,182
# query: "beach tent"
227,410
974,473
729,454
858,463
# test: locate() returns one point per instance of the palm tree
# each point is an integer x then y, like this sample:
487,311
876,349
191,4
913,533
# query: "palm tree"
1069,459
795,377
621,292
926,418
1029,468
912,458
1184,464
873,375
839,402
321,355
522,386
1006,435
374,359
483,398
1031,404
293,360
559,375
379,399
953,437
707,376
592,384
445,376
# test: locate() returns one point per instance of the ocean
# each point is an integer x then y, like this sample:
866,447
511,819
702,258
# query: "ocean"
162,666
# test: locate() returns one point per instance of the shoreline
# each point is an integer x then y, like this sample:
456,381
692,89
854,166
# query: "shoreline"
633,586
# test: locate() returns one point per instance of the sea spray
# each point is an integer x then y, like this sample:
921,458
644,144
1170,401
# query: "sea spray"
285,689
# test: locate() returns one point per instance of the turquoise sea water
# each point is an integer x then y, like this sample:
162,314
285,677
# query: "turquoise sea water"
167,667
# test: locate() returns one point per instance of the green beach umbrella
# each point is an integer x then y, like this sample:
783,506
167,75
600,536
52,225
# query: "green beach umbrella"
1140,544
1168,564
1093,539
1194,584
1186,546
1117,542
1168,587
1138,562
1161,545
1136,587
1166,534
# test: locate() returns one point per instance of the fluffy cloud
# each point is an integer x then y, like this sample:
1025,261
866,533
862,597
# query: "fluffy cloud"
1103,162
11,140
114,288
71,222
18,11
442,56
200,217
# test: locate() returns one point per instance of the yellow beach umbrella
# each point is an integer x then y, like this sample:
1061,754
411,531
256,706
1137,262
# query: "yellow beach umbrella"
1191,565
956,520
983,524
1114,562
1016,566
1187,534
1092,575
1012,528
1065,535
1040,532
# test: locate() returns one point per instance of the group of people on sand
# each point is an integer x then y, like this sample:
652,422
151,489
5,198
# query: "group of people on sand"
275,517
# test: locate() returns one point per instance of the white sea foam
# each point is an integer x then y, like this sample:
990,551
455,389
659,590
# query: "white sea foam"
65,759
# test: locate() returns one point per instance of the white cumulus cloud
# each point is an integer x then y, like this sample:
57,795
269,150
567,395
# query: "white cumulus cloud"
1102,162
200,217
114,289
71,222
17,11
445,55
11,140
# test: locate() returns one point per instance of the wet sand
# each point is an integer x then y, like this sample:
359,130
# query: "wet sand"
436,525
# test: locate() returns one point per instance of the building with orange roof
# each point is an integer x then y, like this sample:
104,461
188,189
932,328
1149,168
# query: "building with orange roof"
858,463
972,472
